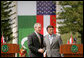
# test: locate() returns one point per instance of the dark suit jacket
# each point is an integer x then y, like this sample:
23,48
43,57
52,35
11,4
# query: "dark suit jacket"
34,45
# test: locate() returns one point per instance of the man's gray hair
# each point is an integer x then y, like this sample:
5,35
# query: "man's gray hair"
36,24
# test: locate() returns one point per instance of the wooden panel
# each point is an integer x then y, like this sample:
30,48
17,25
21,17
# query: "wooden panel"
7,54
74,55
66,49
12,48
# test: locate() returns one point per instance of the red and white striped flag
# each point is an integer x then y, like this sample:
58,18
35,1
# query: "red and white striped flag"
71,39
68,42
2,40
46,20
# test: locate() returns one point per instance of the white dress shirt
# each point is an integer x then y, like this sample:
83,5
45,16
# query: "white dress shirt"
50,38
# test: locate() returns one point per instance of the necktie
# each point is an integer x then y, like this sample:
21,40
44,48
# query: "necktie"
39,38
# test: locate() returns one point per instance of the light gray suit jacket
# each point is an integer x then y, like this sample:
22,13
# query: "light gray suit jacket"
53,48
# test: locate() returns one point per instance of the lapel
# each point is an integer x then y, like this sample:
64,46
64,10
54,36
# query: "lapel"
48,41
54,39
36,37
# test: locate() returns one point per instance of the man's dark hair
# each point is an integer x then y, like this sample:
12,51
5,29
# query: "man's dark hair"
50,26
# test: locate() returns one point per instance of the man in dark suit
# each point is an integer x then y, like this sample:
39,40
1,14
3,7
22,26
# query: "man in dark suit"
35,42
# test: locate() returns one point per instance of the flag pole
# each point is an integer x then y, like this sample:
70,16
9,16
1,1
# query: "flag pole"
2,33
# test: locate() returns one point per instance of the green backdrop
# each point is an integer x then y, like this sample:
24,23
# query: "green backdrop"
25,27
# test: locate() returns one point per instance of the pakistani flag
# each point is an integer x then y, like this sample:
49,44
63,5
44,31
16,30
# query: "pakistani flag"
31,12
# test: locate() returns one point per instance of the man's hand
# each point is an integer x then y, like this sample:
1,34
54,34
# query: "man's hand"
44,54
40,50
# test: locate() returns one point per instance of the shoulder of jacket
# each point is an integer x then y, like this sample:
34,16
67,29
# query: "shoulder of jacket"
41,34
31,34
58,35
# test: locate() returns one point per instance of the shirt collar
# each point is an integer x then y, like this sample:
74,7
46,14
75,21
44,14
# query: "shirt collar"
35,32
51,35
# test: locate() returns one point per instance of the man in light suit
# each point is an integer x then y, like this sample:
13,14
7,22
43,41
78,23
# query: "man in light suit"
52,43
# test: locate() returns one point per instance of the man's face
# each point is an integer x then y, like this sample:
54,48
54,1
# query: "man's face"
50,31
38,29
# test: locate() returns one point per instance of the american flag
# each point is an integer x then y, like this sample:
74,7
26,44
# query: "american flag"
46,8
46,15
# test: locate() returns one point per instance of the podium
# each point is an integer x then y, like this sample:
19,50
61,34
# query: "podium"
72,50
9,50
